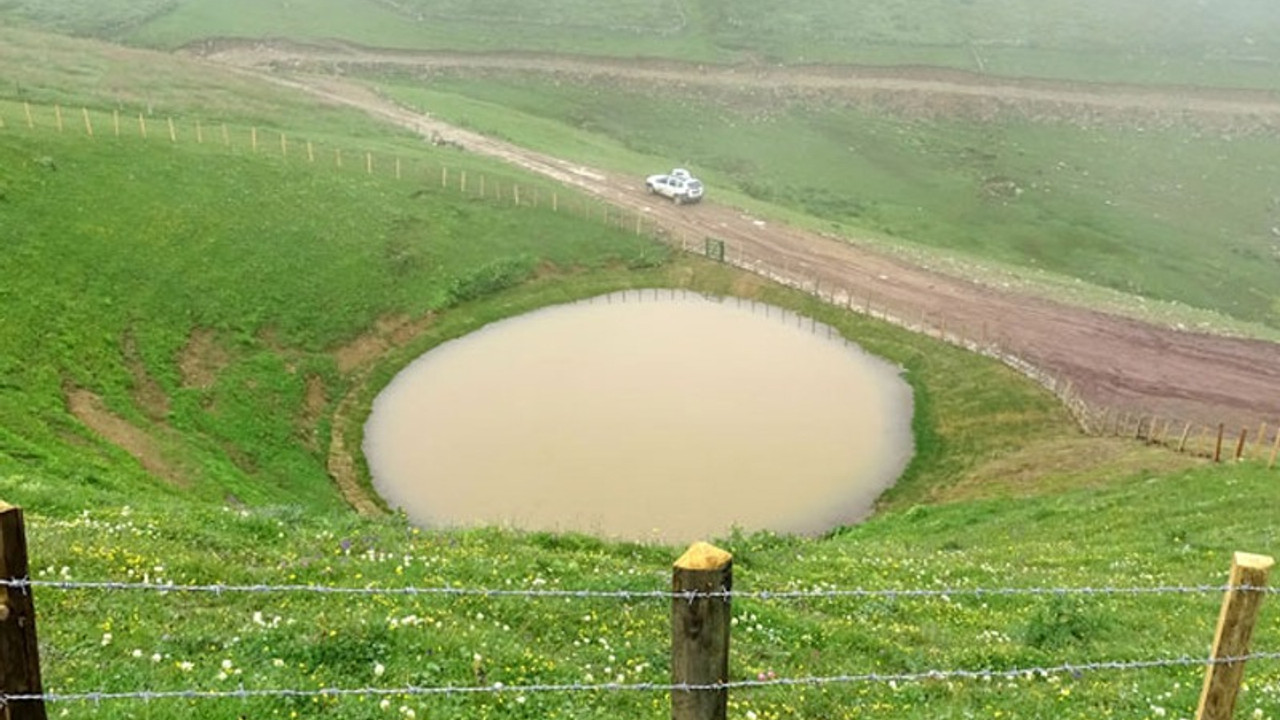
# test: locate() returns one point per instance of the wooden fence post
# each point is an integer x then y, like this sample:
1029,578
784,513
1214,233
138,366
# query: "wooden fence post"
1217,450
311,152
115,121
199,133
1235,628
1182,444
1244,432
368,163
397,168
515,194
88,124
444,176
31,122
337,157
226,136
19,653
284,145
1261,442
253,138
700,632
173,132
142,125
555,202
57,113
1275,450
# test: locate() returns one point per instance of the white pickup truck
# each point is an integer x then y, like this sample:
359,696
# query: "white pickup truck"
678,185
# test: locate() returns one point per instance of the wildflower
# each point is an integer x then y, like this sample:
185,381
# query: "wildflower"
186,666
384,704
378,669
278,662
106,639
155,657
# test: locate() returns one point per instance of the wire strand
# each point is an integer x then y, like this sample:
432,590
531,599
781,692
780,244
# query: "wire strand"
1072,669
228,588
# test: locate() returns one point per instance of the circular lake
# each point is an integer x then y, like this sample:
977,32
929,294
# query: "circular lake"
646,415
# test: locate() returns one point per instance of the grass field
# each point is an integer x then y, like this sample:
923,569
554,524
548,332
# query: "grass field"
206,295
1230,43
1173,214
1153,530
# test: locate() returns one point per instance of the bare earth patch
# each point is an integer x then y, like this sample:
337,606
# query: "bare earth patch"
313,404
388,332
202,359
147,393
358,357
89,409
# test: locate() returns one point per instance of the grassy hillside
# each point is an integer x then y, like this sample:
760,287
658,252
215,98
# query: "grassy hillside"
1230,43
180,323
1176,529
1170,213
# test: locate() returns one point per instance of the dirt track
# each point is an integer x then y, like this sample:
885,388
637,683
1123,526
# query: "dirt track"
1112,362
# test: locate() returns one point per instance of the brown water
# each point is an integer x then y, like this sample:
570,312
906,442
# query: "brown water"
642,415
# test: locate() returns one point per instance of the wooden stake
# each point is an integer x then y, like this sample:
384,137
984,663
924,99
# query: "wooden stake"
26,106
253,139
444,176
57,112
173,132
515,194
337,157
142,125
368,163
311,152
482,181
1217,450
1244,432
199,133
115,121
1235,629
397,168
700,632
19,651
1261,442
1182,444
555,202
284,145
88,124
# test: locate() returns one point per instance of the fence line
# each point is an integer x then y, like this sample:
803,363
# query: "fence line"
1153,428
1073,669
23,584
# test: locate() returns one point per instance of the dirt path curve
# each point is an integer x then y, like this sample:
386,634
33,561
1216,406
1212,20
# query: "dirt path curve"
1112,362
914,89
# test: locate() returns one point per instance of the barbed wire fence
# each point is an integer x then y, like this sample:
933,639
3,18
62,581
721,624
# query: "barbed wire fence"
700,598
1214,441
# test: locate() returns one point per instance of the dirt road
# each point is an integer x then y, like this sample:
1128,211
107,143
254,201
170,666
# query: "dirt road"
914,90
1112,362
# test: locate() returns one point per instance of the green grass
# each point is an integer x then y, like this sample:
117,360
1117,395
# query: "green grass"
1169,213
1230,43
117,250
1177,529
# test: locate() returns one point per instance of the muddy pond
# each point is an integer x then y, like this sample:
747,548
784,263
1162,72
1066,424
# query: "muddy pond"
652,415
